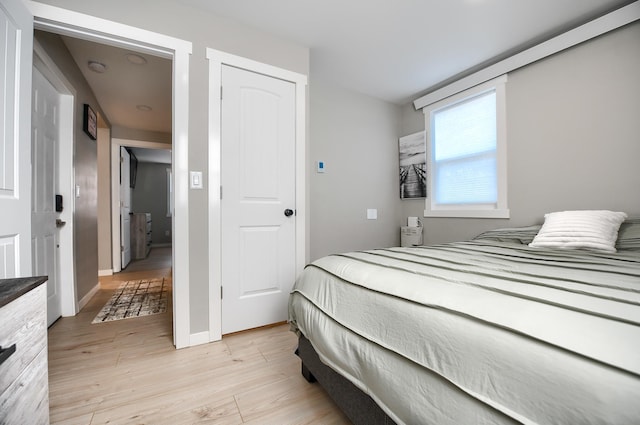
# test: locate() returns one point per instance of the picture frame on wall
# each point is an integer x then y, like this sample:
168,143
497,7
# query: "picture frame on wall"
90,122
413,166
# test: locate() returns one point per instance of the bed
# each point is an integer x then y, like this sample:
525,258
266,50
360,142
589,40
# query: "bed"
485,331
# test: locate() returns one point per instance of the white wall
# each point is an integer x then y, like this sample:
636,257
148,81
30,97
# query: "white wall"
357,137
573,136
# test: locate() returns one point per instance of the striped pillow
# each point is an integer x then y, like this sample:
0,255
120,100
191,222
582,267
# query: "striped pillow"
591,230
629,235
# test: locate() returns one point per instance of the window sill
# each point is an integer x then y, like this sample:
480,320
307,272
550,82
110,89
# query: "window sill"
468,213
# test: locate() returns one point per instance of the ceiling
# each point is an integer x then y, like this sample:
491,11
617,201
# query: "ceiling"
127,87
395,50
391,50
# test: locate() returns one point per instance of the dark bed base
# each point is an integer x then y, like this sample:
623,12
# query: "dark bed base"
357,406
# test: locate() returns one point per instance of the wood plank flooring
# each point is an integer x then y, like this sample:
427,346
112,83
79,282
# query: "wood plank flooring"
128,372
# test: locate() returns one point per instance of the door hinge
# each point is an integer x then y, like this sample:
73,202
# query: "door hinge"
221,293
121,248
221,92
220,192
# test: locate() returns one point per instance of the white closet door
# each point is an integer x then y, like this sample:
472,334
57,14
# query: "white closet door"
258,200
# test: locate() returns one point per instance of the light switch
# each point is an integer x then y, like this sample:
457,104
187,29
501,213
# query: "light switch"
321,166
196,179
372,214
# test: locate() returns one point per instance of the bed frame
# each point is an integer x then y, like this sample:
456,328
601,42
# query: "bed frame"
357,406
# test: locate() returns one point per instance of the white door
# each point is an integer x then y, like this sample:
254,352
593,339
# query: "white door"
258,198
45,117
125,207
16,51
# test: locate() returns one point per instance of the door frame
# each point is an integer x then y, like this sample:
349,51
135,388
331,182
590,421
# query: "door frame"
74,24
216,59
115,188
65,173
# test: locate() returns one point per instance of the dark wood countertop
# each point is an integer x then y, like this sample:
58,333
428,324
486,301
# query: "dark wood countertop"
10,289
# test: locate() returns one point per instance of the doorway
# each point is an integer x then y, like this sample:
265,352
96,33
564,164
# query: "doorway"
65,287
151,207
59,21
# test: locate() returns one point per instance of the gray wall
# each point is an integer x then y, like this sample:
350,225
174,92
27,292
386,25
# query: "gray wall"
104,201
85,167
572,127
150,196
203,30
356,137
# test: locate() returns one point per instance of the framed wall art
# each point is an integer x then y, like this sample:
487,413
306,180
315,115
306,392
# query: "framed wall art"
90,122
413,166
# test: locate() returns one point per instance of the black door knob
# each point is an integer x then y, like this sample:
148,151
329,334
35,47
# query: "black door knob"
288,212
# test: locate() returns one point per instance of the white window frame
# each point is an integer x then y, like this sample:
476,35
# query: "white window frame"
499,209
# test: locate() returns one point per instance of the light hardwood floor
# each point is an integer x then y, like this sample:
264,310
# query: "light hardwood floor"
128,372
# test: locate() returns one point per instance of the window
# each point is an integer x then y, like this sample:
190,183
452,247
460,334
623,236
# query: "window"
466,154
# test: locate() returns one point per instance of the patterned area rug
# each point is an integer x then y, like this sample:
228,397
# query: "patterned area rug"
135,298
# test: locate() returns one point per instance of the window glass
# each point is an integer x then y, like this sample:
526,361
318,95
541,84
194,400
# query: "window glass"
466,169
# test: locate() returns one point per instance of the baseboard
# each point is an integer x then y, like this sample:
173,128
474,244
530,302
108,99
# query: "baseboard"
87,297
160,245
108,272
199,338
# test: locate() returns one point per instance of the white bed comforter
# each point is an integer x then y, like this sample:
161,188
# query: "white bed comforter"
480,332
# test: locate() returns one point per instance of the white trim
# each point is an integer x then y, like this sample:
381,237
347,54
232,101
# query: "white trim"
65,169
61,21
108,272
216,60
467,214
87,27
116,259
595,28
88,297
169,177
499,209
199,338
131,143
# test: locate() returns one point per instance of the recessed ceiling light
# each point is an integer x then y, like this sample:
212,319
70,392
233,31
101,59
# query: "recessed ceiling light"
96,66
136,59
145,108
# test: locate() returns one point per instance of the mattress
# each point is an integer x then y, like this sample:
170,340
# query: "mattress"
488,331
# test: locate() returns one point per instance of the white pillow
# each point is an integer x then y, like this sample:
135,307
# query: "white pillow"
593,230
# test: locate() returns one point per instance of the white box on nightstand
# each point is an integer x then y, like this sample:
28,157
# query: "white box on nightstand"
410,236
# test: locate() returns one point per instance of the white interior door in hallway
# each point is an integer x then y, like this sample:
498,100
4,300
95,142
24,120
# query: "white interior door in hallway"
16,46
258,198
125,207
45,133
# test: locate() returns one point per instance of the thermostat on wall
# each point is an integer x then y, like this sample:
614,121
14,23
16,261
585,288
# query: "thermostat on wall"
321,166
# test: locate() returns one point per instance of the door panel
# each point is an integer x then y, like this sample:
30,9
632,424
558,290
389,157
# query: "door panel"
125,207
16,46
44,234
258,179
